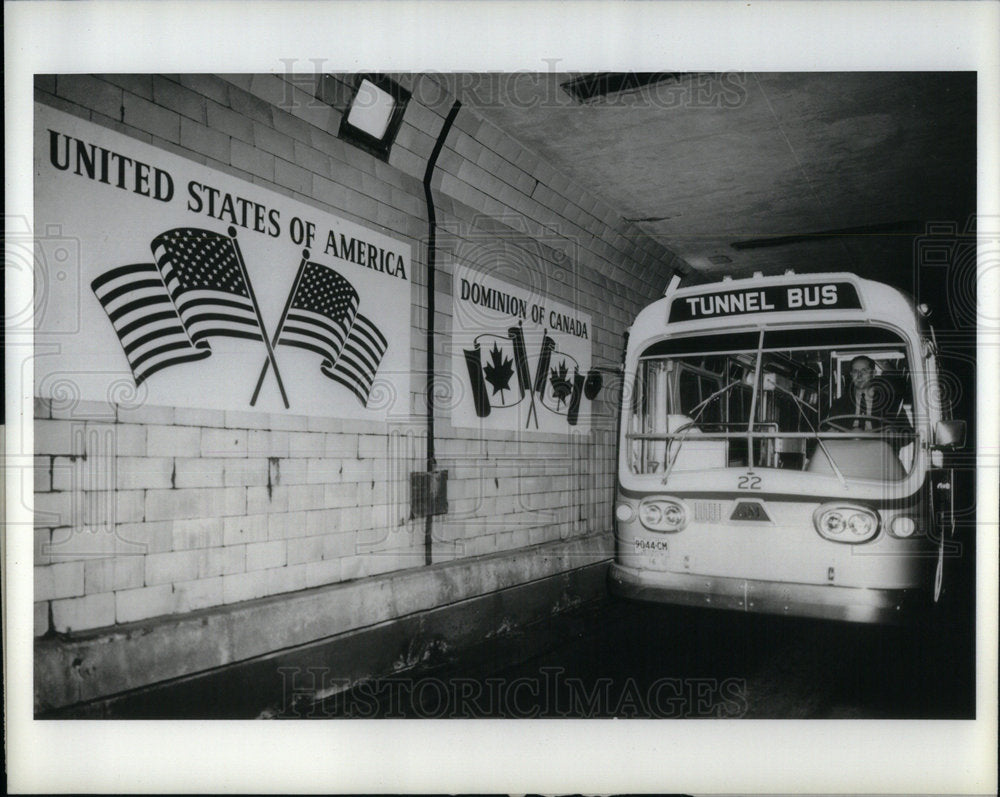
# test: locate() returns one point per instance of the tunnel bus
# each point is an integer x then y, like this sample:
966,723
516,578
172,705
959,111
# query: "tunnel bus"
748,479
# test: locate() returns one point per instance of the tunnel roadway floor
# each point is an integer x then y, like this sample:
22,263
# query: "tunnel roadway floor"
616,658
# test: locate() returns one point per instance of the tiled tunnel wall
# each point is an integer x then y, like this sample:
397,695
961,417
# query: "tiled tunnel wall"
212,507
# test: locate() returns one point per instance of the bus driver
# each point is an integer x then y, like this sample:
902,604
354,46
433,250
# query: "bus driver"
871,403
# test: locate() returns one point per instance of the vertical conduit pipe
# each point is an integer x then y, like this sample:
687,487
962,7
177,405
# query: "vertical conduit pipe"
431,249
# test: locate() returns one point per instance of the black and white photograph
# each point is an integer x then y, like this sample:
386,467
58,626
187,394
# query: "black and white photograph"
555,391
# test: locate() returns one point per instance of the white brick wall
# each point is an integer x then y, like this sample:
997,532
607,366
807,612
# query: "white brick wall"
323,470
80,614
198,472
304,549
243,587
178,509
265,555
130,441
141,472
224,561
245,529
305,496
324,572
172,441
43,474
285,525
223,442
168,568
197,533
267,499
244,472
41,618
138,604
285,579
194,503
109,575
289,471
305,444
146,537
197,594
262,442
58,437
59,581
340,446
336,546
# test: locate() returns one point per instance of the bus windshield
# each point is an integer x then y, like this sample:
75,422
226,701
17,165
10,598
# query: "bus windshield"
831,400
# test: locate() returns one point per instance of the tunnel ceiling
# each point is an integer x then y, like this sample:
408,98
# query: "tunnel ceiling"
744,172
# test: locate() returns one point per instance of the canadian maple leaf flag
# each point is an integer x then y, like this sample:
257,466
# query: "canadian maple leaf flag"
498,370
500,377
559,382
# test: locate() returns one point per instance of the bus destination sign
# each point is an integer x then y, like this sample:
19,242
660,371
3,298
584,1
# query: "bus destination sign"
768,299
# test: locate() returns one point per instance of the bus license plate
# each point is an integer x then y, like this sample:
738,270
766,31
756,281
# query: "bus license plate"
654,552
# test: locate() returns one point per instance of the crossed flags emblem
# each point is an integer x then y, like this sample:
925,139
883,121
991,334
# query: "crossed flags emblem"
197,288
556,387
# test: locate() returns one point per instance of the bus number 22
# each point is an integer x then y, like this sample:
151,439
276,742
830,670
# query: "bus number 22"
751,481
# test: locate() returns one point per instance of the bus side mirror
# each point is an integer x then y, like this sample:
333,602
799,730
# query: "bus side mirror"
949,433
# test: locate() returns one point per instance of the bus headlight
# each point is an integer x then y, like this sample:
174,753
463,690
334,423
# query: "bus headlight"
661,514
651,515
832,524
846,523
861,526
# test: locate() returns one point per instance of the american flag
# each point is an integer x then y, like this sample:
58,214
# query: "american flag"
201,270
360,358
323,317
145,319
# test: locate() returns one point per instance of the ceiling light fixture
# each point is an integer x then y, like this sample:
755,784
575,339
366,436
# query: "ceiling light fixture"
374,114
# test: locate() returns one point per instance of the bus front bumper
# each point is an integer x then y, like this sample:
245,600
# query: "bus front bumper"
852,604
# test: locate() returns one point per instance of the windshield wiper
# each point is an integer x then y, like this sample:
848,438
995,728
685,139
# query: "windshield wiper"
697,409
700,407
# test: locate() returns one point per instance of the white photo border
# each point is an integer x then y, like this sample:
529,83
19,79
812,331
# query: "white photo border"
491,756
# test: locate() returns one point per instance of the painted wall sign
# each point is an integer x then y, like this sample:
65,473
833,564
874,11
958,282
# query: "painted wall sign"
520,360
771,299
165,281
